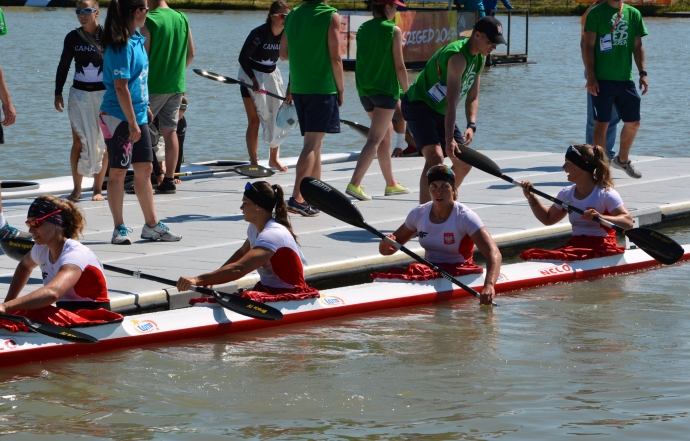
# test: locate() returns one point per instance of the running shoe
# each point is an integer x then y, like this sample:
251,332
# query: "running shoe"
167,187
160,232
121,235
8,232
302,208
398,189
357,192
627,167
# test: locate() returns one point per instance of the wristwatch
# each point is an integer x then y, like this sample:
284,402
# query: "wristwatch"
472,125
643,73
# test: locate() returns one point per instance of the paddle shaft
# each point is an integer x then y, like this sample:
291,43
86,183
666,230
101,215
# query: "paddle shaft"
58,332
228,80
261,172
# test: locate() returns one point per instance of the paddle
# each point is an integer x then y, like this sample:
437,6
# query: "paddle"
357,127
17,247
227,80
233,302
59,332
329,200
250,170
658,245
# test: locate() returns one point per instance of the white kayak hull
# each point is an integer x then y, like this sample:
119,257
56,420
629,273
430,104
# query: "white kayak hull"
209,320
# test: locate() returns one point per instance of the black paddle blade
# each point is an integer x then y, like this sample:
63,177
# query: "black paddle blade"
59,332
658,245
16,248
331,201
210,75
480,161
247,307
359,128
254,171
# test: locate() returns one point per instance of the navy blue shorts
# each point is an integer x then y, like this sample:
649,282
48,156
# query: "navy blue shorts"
317,112
428,127
623,95
380,101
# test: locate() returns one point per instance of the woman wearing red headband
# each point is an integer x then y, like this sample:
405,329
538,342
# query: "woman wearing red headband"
271,248
448,231
587,167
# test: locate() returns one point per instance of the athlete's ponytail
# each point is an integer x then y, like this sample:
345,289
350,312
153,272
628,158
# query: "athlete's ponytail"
275,194
116,29
596,155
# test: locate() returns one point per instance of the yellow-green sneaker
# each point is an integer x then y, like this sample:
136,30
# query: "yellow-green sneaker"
357,192
398,189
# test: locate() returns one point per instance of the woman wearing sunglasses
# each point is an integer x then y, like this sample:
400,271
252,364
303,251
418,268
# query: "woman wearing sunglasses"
258,59
448,232
124,118
587,167
82,45
72,274
271,248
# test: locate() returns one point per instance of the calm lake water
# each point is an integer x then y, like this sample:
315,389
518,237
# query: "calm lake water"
608,358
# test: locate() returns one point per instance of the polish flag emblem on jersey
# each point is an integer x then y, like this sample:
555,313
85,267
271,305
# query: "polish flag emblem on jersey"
448,238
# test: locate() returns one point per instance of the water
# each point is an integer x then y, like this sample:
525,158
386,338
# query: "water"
535,107
605,358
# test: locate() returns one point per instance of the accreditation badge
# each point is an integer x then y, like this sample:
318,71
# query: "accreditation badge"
438,92
605,43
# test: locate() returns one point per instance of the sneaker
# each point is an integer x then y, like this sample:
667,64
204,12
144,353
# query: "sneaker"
167,187
159,232
302,208
121,236
398,189
357,192
627,167
8,232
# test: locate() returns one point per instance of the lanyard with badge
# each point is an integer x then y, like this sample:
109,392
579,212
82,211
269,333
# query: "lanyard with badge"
605,42
438,90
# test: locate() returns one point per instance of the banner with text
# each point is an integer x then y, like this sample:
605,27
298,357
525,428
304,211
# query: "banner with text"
425,32
636,2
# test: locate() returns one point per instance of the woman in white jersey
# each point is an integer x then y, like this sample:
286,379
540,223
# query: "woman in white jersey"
271,247
448,231
72,274
587,167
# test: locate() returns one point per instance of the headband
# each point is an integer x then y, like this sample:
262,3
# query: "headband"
42,207
259,198
440,173
574,156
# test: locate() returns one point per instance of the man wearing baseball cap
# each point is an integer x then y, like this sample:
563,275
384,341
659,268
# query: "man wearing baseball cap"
430,104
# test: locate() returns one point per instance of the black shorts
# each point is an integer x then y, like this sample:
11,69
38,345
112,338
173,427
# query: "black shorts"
428,127
121,152
317,112
380,101
245,92
623,95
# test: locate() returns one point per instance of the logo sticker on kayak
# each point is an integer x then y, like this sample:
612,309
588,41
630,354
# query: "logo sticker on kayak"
331,301
560,269
502,277
144,326
8,345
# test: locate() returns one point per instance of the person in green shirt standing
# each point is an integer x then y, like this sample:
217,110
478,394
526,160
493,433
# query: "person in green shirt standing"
311,41
613,37
381,78
170,47
430,104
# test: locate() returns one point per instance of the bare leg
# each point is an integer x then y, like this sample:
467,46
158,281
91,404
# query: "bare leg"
433,155
98,180
379,134
144,191
309,162
384,157
74,156
599,137
461,170
627,137
172,149
274,161
252,130
116,194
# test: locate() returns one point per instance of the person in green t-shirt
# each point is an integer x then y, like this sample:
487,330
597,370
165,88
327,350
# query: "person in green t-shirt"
170,47
613,38
430,104
381,78
311,41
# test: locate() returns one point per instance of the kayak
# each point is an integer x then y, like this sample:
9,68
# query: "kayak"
209,319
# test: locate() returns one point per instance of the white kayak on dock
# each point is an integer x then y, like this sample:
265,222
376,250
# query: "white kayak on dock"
210,319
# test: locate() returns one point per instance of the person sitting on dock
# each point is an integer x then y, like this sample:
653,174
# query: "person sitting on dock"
73,276
271,248
430,104
587,167
448,231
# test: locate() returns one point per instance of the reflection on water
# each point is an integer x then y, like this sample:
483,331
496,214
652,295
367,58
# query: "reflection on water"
534,107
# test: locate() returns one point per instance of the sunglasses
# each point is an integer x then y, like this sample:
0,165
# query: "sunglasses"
281,15
183,107
85,11
440,169
36,223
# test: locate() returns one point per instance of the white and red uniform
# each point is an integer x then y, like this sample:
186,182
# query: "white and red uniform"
604,201
91,286
450,241
285,270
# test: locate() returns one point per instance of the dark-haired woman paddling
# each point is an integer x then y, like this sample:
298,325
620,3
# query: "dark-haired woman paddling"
271,247
587,167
